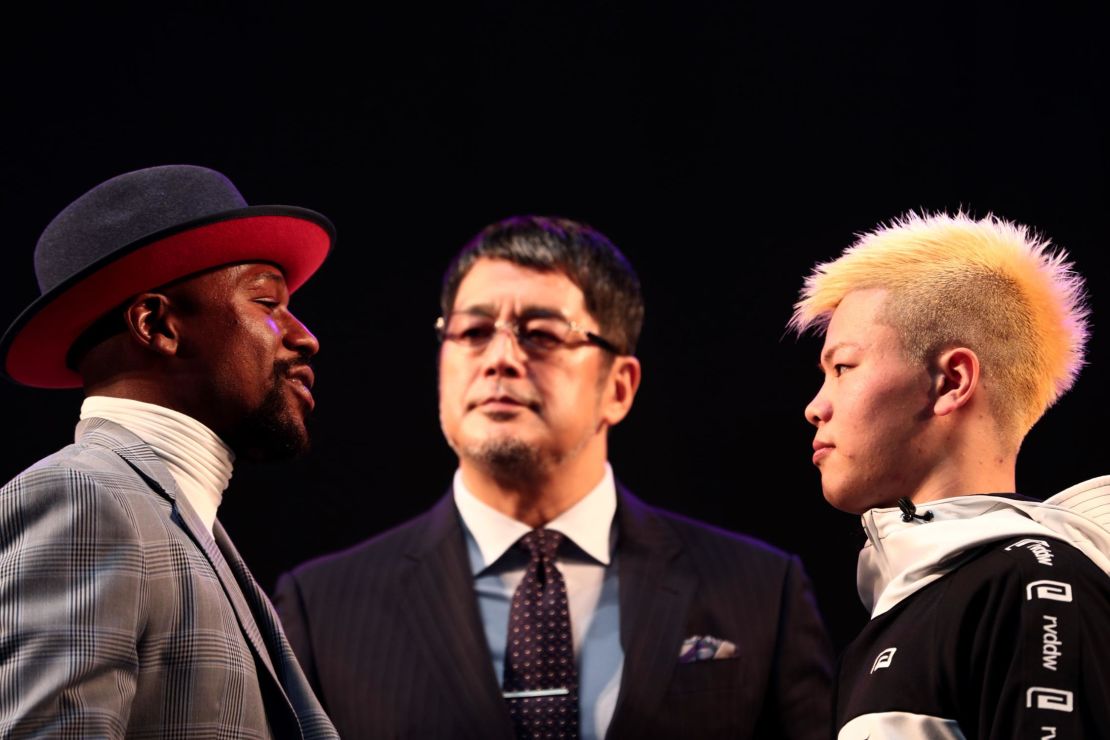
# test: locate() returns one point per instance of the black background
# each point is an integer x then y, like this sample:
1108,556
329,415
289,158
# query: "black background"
725,147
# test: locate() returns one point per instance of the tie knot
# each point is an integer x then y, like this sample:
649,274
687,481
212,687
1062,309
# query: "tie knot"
542,543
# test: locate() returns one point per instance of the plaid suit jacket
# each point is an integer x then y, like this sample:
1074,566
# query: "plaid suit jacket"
120,616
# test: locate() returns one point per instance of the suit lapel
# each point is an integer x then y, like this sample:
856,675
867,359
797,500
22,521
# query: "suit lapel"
232,586
307,717
439,598
656,586
239,585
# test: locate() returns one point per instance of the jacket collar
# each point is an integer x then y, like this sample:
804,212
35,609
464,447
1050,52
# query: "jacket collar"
137,453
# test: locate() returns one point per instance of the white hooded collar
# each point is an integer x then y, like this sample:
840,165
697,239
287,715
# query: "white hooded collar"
902,557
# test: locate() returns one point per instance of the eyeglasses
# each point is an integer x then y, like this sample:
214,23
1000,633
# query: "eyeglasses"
536,335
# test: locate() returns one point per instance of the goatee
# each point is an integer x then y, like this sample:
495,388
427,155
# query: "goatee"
509,461
273,431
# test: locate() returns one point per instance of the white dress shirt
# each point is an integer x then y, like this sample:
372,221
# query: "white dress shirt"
586,561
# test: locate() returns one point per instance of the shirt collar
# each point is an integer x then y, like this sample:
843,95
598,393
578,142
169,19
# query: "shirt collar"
587,523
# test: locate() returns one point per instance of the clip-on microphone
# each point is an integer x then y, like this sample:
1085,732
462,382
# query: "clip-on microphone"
909,511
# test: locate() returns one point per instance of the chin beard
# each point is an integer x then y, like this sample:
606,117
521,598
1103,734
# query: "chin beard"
272,431
509,461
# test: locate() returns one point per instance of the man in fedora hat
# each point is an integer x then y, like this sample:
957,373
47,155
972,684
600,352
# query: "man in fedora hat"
125,610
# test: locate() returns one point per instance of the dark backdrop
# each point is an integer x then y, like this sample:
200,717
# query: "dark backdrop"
724,146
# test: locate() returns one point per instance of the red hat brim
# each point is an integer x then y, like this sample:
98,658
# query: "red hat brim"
35,346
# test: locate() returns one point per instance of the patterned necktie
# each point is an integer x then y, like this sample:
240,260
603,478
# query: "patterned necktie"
541,681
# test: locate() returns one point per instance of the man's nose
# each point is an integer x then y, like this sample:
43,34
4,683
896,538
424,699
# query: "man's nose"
818,410
503,354
299,338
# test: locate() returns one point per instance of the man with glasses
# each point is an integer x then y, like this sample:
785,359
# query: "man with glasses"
539,598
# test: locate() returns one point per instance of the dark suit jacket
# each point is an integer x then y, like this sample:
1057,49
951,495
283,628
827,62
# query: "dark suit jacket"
122,616
390,636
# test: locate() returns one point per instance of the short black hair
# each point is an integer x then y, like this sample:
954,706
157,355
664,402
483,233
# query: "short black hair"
585,255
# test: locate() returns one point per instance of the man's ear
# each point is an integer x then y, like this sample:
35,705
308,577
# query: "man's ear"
620,389
152,324
956,379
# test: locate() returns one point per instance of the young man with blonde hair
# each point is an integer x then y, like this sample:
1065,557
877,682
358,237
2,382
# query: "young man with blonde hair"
946,338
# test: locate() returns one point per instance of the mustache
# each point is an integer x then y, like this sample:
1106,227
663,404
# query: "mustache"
501,392
284,367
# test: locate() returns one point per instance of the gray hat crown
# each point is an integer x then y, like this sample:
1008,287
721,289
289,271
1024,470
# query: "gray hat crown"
126,210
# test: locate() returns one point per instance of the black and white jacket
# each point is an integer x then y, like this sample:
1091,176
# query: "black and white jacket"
991,620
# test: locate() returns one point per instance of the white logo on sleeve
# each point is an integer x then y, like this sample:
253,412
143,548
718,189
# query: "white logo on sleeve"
1045,698
884,660
1053,590
1050,644
1040,549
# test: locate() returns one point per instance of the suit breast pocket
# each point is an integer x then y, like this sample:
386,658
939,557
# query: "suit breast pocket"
708,699
707,675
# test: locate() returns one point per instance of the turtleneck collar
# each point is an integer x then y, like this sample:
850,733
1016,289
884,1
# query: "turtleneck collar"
198,460
902,557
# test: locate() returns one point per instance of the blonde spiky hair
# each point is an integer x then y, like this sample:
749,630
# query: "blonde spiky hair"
990,285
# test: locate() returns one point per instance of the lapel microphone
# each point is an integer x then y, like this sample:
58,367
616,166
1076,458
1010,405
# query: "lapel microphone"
909,511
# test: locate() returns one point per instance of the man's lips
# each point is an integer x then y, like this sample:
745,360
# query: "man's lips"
301,379
821,450
503,402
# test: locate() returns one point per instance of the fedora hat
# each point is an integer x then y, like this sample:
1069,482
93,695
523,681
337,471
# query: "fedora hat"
139,231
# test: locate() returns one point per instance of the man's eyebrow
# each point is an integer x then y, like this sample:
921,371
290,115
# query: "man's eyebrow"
480,309
526,312
541,312
826,356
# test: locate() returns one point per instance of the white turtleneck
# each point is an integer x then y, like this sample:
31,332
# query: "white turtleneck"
198,460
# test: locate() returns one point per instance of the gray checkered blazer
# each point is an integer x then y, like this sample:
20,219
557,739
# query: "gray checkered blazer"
120,616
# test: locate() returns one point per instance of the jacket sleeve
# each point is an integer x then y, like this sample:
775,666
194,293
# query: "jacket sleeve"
71,593
800,690
1031,654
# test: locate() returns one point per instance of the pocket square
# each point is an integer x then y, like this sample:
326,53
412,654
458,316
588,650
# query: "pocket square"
699,647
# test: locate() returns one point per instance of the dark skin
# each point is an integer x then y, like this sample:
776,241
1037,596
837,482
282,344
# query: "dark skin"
222,347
